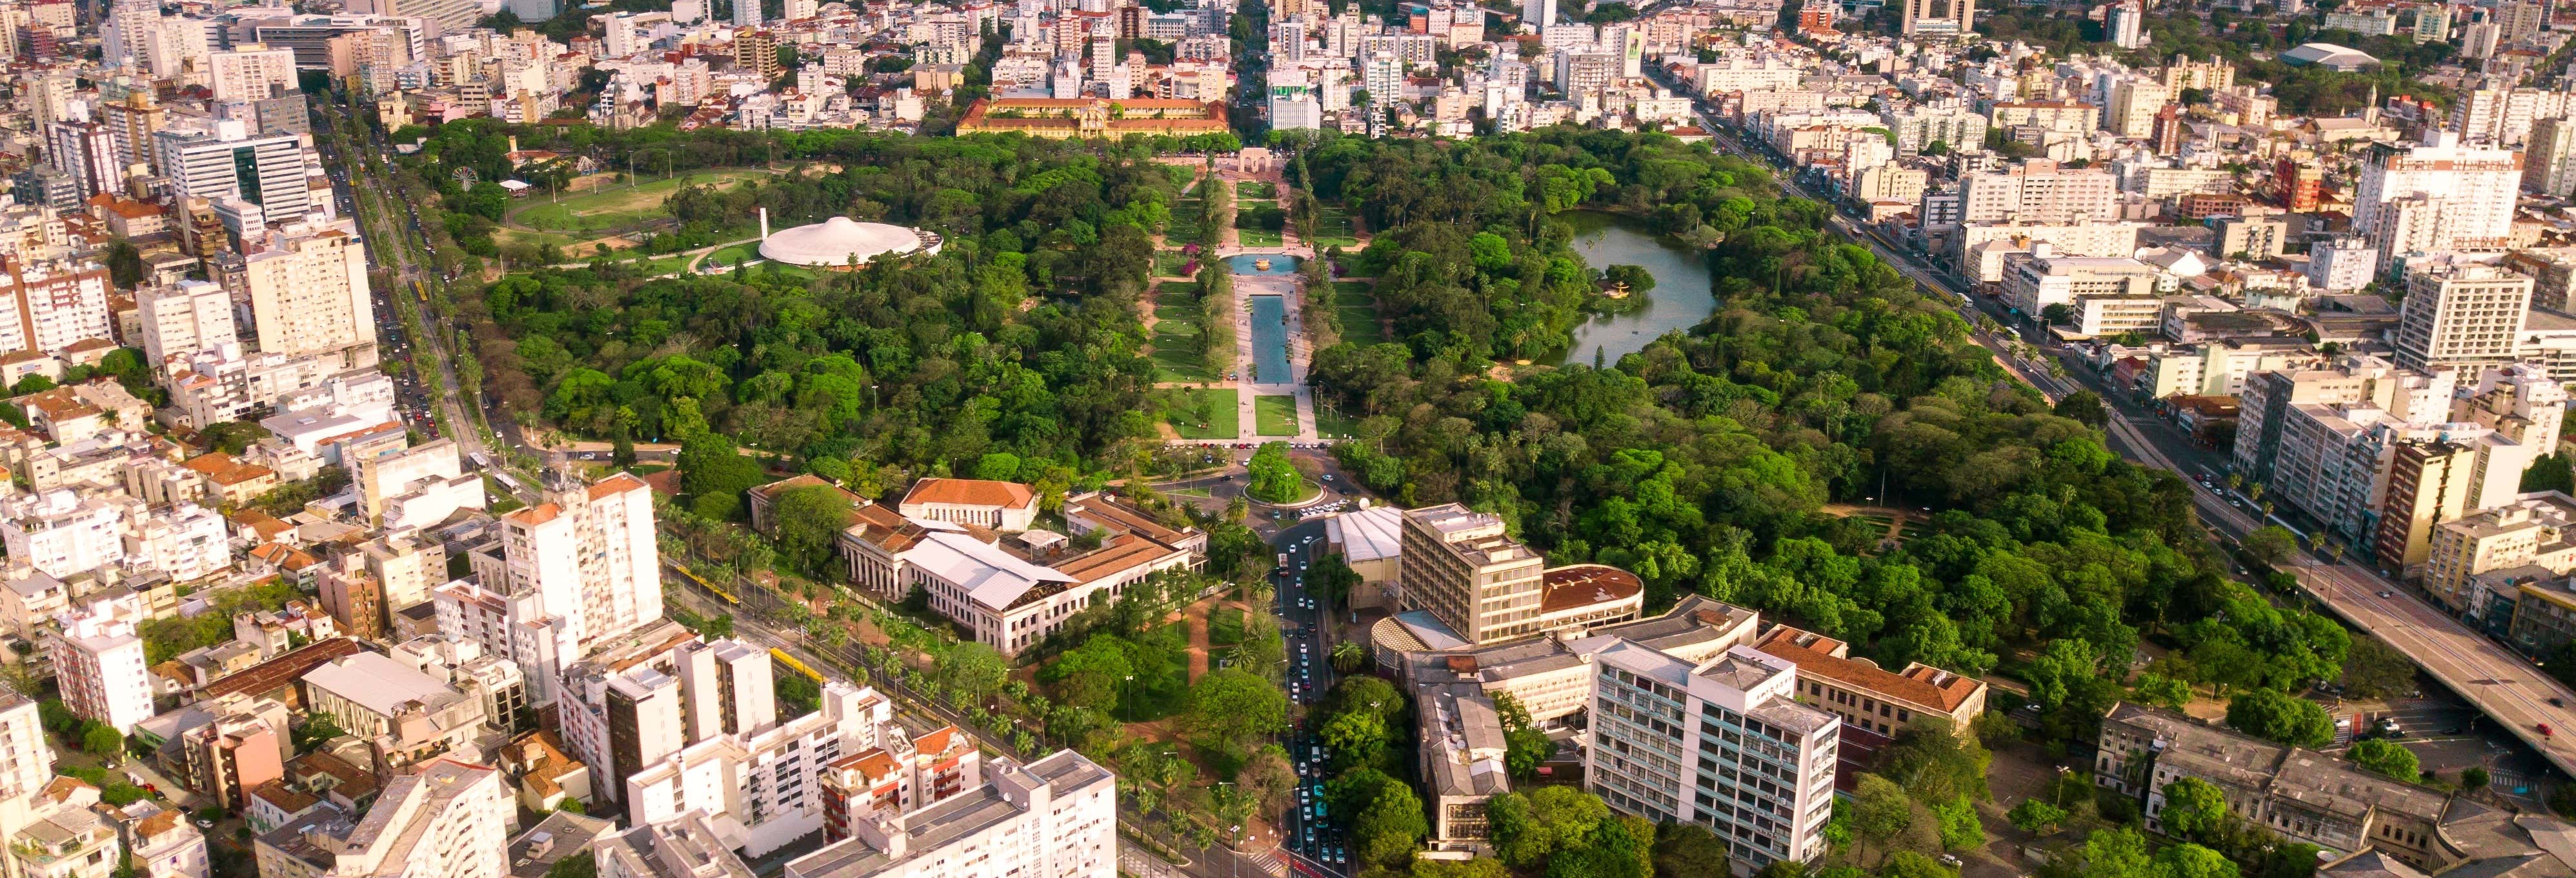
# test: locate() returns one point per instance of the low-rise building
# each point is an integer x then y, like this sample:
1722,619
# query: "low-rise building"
2299,793
1002,506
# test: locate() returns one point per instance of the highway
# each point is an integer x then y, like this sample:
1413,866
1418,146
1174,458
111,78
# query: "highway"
2508,688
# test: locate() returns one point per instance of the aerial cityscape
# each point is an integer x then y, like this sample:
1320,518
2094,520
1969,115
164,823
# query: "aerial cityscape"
1287,438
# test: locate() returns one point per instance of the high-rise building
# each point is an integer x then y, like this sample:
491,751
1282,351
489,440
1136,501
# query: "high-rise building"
1464,570
787,801
1724,744
250,71
2549,158
308,289
746,14
2441,196
574,572
131,122
2268,399
126,34
2038,191
98,661
2134,101
231,162
50,306
1057,816
450,820
756,51
2461,314
1934,18
798,10
184,318
26,761
85,151
1536,15
2125,24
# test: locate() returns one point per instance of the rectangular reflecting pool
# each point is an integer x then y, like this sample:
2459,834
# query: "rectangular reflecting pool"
1270,339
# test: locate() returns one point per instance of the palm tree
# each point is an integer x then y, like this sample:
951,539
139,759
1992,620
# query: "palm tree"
1347,656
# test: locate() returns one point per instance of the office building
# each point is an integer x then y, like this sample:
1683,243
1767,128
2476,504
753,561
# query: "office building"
231,161
450,820
1722,743
2107,295
1057,816
98,661
308,289
2461,314
184,318
1464,570
2441,196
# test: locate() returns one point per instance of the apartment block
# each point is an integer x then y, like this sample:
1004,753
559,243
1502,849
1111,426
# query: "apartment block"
2040,191
768,778
63,533
184,318
2109,294
2478,558
901,772
2438,197
574,571
1056,816
450,820
2461,314
51,306
1723,743
98,661
2269,397
245,746
308,289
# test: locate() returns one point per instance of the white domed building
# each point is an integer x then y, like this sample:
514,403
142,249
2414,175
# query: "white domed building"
841,242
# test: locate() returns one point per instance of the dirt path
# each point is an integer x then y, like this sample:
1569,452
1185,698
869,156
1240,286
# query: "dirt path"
1196,616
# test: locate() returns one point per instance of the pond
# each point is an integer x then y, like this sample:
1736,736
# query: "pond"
1680,300
1250,263
1269,339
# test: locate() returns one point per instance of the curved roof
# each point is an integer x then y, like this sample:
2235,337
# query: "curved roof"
835,241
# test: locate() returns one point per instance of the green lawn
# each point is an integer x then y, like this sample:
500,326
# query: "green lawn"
729,255
1168,263
1333,229
1176,353
1225,626
1257,238
616,206
1184,408
1252,189
1275,415
1360,324
1331,422
1183,176
1161,686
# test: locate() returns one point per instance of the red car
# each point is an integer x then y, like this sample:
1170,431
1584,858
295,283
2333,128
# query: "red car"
2545,731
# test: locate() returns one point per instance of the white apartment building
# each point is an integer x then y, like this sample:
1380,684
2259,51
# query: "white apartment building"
186,541
227,383
1722,743
576,570
2038,191
2342,264
2536,530
379,479
2549,160
2134,102
767,777
2441,196
2070,117
2461,314
1055,817
308,289
250,72
26,761
63,533
184,318
643,701
2267,398
49,306
451,820
98,662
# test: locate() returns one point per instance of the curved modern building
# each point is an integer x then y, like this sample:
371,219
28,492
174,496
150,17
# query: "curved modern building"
842,242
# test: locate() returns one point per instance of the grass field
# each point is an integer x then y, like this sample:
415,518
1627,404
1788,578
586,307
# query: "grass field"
617,206
736,253
1274,415
1250,189
1258,238
1183,176
1333,229
1168,263
1225,626
1358,312
1184,409
1331,423
1176,335
1162,681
